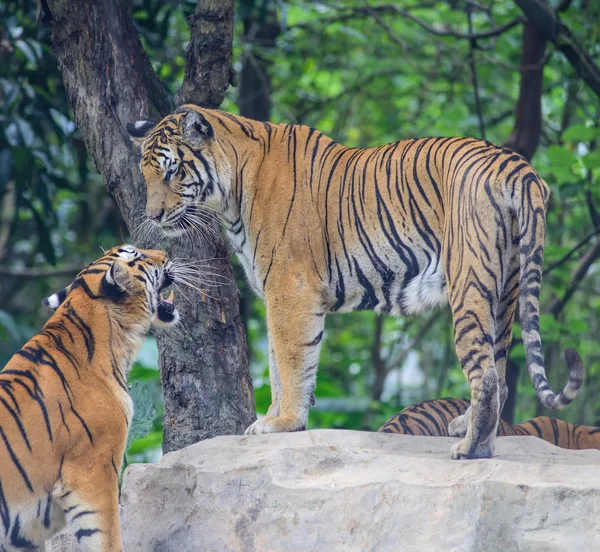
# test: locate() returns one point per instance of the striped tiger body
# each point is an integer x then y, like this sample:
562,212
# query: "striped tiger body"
431,418
65,408
323,228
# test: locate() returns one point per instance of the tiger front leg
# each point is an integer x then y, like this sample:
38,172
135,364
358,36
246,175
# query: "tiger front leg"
275,382
89,497
295,324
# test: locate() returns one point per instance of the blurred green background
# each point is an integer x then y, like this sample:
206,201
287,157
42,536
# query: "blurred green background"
365,79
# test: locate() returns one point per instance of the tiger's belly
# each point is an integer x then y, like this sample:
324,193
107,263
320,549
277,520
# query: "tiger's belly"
389,287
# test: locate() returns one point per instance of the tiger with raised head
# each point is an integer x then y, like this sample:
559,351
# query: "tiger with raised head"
431,418
401,228
65,407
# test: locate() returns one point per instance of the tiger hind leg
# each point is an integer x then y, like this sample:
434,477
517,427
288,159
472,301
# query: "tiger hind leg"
480,436
503,329
474,299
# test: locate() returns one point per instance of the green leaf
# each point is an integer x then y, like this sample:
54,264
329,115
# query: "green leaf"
580,133
144,412
549,327
560,156
27,51
592,159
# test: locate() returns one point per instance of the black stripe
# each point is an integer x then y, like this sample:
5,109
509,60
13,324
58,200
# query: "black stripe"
4,511
537,428
81,533
81,514
19,423
47,511
85,330
315,341
555,430
16,461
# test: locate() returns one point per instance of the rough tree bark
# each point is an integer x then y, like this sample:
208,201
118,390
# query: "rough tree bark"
208,70
109,82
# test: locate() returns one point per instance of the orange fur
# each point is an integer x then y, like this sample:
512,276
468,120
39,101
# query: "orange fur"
431,418
65,407
401,228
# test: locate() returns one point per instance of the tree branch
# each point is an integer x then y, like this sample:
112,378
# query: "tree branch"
572,252
550,26
359,11
208,69
35,273
591,255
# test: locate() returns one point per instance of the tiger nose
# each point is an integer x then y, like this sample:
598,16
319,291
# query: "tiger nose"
157,216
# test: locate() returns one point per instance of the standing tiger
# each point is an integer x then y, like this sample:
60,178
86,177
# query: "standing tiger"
320,228
65,408
431,418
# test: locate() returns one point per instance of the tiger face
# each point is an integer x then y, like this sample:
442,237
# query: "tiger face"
130,278
185,169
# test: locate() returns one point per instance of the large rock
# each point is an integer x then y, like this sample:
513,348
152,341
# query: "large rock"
352,491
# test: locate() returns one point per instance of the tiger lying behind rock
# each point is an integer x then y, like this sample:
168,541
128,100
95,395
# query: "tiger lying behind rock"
65,409
432,418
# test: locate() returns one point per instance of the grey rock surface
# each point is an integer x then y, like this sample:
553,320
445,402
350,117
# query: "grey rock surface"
333,490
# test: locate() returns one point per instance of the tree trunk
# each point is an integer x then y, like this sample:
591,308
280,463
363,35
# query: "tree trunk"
525,136
261,29
109,82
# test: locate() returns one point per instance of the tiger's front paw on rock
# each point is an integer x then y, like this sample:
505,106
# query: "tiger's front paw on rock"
464,450
275,424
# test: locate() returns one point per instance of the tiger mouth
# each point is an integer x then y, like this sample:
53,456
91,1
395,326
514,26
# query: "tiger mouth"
165,309
166,313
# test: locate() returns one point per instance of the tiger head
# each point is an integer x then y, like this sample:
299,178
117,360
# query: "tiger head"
128,279
186,170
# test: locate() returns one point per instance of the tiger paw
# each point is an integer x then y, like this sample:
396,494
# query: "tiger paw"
464,450
275,424
459,426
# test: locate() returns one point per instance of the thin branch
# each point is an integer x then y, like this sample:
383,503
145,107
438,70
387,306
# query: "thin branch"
358,11
574,250
393,37
591,255
412,344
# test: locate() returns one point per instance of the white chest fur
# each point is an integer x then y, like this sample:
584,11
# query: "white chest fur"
240,245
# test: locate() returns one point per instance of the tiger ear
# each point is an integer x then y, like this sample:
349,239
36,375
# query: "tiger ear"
195,128
139,131
55,300
115,282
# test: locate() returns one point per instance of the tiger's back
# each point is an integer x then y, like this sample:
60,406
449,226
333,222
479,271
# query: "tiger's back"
431,419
